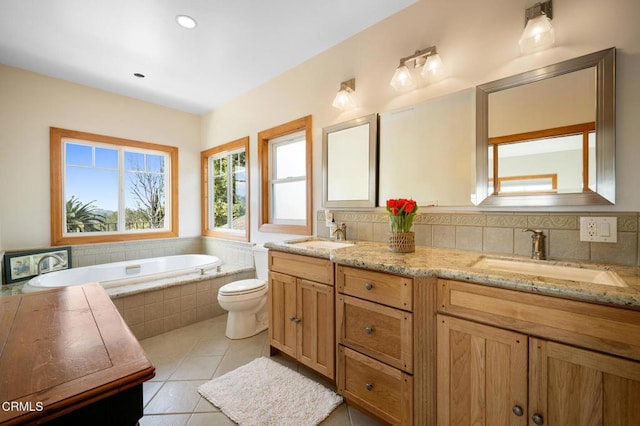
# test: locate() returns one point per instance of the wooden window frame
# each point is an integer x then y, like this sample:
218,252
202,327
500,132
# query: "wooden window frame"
204,168
56,136
264,221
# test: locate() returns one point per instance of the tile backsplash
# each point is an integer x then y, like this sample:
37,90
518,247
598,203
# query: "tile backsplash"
499,232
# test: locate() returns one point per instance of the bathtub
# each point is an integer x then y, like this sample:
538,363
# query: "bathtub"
128,272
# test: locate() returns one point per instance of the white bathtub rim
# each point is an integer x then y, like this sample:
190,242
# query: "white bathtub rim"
213,262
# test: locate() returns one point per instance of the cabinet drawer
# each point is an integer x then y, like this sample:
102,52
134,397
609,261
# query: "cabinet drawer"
382,390
604,328
379,287
307,267
378,331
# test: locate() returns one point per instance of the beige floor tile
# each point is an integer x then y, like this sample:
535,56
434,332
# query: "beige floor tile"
175,397
149,389
196,368
209,419
198,351
165,420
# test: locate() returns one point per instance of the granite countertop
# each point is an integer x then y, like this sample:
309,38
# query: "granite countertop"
458,265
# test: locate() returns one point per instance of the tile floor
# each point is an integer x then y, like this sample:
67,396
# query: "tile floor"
189,356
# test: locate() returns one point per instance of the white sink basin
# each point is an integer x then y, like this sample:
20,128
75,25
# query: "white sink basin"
323,244
541,269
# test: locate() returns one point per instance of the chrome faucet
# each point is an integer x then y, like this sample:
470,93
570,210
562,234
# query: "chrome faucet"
49,256
537,244
341,232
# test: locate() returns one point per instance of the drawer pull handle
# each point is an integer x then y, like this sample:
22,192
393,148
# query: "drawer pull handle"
537,419
294,319
368,286
517,410
368,330
369,386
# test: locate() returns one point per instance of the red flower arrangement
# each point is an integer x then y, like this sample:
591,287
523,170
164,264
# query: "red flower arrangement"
401,212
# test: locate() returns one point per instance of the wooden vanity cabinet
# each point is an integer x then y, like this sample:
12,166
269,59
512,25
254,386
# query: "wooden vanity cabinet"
301,310
374,328
503,358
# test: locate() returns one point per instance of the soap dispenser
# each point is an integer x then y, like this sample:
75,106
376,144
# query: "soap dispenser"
332,229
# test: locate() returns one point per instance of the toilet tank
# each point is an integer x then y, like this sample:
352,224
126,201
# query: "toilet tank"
260,258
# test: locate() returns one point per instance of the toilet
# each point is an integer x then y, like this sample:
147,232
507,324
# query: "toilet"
246,300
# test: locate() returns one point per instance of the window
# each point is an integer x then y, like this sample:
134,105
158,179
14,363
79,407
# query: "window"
549,161
225,190
110,189
285,169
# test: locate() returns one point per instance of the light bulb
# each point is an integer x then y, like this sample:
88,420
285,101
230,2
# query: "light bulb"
402,79
343,100
538,34
433,69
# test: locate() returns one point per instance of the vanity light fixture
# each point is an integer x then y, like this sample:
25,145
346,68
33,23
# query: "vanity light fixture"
186,22
538,32
344,98
432,70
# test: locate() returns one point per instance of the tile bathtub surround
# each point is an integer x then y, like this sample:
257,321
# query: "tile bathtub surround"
192,355
157,311
95,254
499,232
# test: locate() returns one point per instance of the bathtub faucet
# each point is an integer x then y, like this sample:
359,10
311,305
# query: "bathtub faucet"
47,256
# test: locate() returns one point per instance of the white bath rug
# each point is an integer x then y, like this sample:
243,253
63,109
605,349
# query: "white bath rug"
264,392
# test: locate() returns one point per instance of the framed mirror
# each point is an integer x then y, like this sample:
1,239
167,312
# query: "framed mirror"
349,163
546,137
426,151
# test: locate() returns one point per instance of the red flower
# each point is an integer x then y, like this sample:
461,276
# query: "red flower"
401,212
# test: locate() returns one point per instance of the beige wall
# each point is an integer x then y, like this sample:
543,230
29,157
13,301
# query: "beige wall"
478,42
31,103
476,39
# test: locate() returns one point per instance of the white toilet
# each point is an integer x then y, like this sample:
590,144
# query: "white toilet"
246,300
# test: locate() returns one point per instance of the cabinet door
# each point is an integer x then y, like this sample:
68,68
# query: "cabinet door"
283,317
316,341
571,386
482,374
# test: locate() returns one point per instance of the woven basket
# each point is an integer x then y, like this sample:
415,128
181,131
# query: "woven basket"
402,242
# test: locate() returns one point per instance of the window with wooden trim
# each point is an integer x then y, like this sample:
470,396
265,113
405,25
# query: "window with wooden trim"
548,161
106,189
225,190
285,171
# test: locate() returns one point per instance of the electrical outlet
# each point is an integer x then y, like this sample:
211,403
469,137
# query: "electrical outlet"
599,229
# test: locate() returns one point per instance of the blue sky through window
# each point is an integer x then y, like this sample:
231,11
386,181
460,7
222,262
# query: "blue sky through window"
91,173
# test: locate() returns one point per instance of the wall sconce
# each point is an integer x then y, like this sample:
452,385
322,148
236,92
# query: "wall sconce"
344,99
432,69
538,32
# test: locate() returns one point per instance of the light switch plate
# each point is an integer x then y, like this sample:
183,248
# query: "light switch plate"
599,229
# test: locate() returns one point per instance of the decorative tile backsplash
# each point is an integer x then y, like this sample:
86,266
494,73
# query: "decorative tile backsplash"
499,233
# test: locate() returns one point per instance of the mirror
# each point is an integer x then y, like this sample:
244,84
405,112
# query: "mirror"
547,137
426,151
349,163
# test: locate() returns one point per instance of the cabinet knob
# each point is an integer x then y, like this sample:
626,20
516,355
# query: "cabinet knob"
368,286
368,330
537,419
369,386
517,410
294,319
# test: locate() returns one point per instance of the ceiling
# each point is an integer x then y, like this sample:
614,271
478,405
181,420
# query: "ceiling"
237,45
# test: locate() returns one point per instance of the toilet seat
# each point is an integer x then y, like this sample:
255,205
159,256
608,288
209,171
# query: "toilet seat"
242,287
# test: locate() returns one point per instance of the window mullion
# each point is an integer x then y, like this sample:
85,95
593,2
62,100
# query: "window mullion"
121,194
229,191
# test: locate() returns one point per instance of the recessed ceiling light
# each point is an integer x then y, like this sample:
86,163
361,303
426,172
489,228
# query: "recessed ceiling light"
186,21
137,74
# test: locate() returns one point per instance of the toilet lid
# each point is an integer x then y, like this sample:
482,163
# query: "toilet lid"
242,287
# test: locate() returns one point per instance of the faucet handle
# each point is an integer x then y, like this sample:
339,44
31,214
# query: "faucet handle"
535,231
